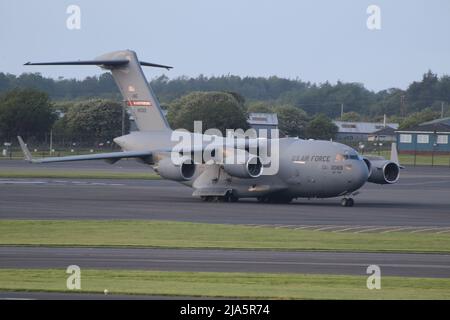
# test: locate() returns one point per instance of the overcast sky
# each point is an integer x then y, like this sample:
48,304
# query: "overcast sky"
312,40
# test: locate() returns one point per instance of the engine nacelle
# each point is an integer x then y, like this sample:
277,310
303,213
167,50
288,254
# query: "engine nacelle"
382,171
252,168
183,171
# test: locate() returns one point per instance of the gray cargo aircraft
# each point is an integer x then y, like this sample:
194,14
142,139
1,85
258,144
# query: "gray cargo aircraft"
305,169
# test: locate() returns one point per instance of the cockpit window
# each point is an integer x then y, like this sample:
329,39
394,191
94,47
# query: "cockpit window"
342,157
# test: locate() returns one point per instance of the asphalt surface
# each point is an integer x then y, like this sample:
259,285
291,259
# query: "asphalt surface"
420,202
391,264
420,199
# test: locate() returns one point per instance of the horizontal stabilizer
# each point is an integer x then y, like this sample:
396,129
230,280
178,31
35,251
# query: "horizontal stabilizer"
106,63
112,63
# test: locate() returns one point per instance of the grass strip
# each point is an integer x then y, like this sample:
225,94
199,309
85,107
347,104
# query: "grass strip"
170,234
218,284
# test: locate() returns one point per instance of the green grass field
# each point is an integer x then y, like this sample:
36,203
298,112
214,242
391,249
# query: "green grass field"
167,234
53,174
217,284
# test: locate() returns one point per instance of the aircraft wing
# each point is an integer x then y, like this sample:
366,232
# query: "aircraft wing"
110,157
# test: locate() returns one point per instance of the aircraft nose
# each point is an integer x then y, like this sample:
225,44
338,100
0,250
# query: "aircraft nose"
357,174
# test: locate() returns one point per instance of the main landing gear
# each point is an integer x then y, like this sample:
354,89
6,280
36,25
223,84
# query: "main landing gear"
347,202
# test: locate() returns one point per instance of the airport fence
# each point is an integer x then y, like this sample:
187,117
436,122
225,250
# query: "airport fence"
383,149
49,145
64,145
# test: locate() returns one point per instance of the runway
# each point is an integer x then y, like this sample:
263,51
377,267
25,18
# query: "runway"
420,199
391,264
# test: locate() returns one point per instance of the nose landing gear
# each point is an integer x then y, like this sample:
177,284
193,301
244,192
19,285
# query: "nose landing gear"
347,202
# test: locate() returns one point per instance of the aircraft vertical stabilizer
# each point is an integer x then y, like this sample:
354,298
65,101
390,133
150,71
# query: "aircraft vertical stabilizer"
137,93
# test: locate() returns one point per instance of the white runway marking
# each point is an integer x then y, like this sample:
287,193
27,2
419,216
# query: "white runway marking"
359,228
325,228
425,229
78,183
398,229
348,229
370,229
21,182
445,231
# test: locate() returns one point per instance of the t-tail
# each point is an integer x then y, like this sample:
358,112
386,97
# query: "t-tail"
129,77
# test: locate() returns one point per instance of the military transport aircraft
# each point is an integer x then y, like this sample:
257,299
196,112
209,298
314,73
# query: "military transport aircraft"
304,168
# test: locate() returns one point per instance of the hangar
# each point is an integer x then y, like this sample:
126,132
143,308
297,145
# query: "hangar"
359,131
430,137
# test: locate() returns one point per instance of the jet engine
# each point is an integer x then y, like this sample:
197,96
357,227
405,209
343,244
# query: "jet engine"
183,171
252,168
382,171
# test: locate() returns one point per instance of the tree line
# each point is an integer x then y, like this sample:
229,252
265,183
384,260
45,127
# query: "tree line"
31,114
430,92
89,111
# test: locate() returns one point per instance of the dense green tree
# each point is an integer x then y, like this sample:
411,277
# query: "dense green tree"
260,106
321,127
418,117
388,103
25,112
95,120
292,121
351,116
218,110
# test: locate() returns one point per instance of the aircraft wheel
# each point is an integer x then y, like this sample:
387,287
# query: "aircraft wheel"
230,197
347,202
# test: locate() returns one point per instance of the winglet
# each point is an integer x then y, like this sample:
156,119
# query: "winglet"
394,155
26,152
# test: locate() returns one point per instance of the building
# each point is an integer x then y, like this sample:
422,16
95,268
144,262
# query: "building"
441,120
266,121
427,138
386,134
359,131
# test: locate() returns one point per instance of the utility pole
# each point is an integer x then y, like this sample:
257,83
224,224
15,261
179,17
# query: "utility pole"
402,105
442,109
51,141
342,110
123,119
